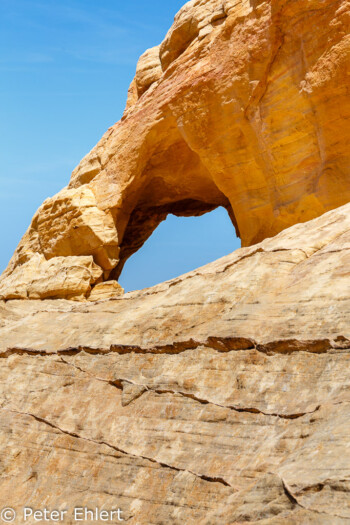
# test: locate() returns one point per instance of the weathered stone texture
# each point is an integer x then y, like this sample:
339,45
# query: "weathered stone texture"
222,396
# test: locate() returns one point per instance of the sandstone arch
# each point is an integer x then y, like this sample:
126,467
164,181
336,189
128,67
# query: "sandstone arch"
157,193
239,107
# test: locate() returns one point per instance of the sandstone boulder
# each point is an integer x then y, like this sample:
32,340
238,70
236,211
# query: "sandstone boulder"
106,290
68,277
148,70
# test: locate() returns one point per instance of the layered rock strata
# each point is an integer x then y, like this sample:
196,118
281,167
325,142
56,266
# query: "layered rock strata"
245,105
218,397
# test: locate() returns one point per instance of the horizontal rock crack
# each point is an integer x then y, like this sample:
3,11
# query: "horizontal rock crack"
118,383
204,477
220,344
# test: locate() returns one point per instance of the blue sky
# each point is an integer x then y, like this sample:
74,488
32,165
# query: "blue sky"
65,68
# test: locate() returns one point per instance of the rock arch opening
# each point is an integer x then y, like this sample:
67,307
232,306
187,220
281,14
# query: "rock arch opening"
172,180
179,244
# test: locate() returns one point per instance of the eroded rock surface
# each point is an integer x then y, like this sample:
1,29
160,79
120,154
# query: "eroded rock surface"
222,396
245,104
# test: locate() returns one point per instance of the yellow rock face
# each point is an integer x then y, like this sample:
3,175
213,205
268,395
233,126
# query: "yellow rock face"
106,290
60,277
244,105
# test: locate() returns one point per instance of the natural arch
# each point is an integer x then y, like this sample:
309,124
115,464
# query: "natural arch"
144,221
229,111
179,245
174,181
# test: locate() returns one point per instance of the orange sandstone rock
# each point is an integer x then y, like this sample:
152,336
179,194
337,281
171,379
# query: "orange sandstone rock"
245,105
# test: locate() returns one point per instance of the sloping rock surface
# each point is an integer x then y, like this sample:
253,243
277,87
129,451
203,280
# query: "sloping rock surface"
222,396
